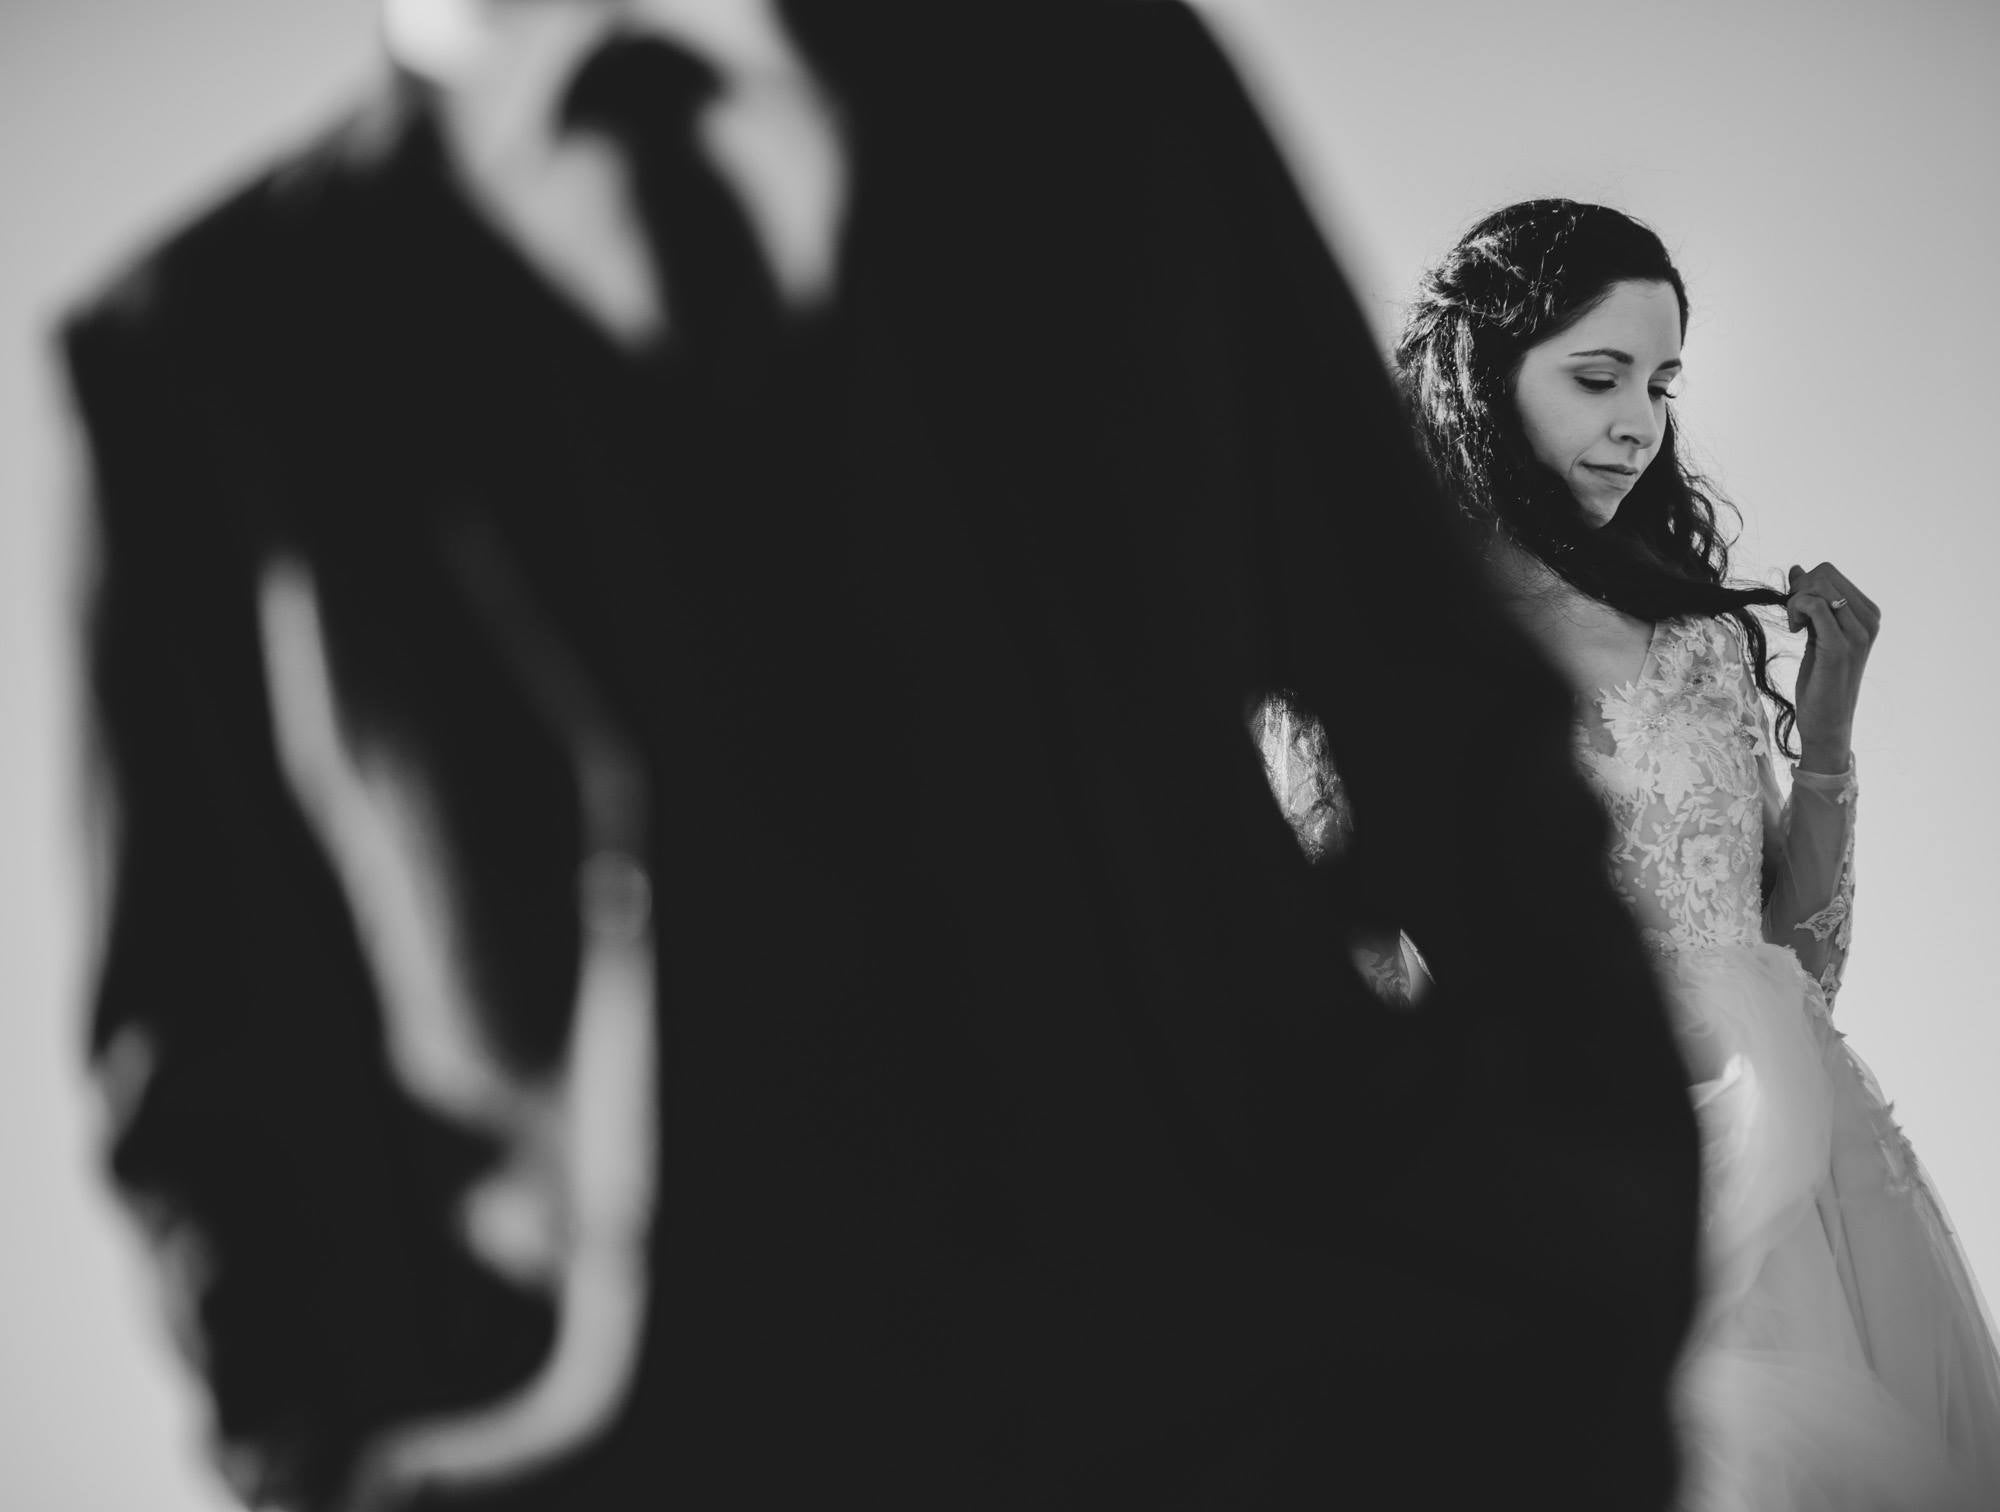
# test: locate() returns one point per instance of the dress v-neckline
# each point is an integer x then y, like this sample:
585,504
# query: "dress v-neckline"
1645,665
1590,702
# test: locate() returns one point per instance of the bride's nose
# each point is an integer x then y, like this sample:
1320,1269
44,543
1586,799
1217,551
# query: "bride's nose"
1637,423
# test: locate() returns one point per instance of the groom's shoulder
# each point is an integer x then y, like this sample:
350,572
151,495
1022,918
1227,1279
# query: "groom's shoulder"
264,241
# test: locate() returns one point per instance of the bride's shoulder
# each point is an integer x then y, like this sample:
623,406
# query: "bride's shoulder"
1700,651
1716,663
1718,635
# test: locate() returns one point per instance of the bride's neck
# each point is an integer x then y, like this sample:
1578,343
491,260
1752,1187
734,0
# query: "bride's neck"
1545,602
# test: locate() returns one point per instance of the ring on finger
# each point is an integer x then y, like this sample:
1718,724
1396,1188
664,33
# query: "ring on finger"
1839,603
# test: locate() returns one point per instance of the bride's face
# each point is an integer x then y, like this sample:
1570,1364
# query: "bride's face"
1593,400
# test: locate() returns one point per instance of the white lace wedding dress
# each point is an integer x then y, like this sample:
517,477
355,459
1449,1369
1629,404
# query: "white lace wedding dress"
1841,1359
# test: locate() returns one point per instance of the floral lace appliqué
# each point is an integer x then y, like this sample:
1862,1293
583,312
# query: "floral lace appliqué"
1682,786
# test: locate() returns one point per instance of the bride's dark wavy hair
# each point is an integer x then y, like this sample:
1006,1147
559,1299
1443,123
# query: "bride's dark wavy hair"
1519,277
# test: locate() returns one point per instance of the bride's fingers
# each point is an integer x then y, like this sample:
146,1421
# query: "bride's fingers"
1797,585
1861,616
1858,615
1796,617
1823,580
1859,604
1816,609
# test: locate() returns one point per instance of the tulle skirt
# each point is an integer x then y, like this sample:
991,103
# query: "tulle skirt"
1842,1357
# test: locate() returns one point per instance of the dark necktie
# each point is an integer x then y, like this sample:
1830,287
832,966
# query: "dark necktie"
645,94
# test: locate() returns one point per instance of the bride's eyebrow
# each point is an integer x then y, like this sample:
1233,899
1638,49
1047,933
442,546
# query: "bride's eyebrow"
1626,358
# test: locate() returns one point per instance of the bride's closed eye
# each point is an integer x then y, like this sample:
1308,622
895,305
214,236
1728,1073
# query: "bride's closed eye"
1606,385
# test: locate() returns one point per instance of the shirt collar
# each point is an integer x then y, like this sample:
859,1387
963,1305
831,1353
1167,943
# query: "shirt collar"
499,67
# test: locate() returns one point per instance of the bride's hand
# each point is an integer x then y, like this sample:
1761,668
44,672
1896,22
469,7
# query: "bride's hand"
1840,622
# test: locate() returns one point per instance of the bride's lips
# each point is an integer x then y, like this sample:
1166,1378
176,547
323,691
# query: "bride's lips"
1625,475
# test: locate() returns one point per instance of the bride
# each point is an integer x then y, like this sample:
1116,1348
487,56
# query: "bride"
1841,1357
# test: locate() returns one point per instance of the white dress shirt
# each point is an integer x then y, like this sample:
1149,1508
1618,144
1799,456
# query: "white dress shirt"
500,69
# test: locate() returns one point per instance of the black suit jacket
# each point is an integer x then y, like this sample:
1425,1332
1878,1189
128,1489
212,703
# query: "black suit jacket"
1027,1140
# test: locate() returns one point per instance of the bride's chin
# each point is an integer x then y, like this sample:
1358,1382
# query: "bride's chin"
1596,513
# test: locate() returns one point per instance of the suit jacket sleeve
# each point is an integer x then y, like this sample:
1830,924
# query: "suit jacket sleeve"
296,1201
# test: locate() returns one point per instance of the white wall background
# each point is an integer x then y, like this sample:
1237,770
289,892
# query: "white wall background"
1823,169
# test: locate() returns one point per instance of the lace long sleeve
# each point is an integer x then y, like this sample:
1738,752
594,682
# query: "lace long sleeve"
1809,846
1808,853
254,1130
